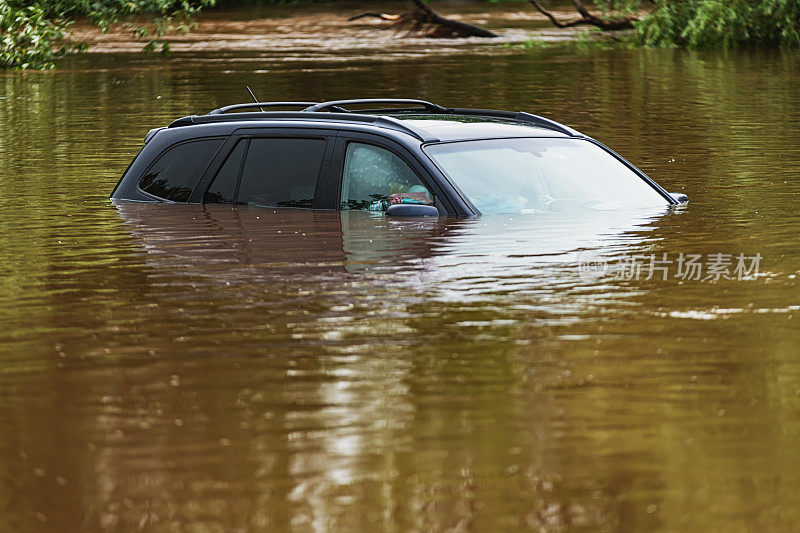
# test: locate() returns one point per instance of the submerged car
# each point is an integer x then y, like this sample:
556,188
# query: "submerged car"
406,158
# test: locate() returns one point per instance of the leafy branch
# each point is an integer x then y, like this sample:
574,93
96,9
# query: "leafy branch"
34,34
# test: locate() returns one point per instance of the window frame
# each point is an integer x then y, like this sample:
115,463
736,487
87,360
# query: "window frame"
168,149
247,135
345,138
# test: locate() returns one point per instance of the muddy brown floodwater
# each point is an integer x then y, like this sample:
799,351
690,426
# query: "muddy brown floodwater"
178,368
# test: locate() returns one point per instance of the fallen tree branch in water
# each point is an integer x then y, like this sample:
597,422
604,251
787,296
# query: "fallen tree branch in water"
382,16
587,19
424,21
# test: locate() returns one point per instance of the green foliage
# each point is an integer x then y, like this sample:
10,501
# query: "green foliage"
614,8
32,34
163,16
535,43
714,23
586,39
722,23
29,39
705,23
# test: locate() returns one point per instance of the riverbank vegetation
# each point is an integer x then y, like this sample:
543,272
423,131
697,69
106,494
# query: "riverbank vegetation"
34,33
694,23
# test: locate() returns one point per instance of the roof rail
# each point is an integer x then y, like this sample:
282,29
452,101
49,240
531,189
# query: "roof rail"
259,105
519,116
335,110
382,121
337,104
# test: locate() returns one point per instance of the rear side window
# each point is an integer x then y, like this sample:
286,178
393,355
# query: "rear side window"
223,189
281,172
174,175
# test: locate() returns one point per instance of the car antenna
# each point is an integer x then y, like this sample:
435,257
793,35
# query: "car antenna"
254,97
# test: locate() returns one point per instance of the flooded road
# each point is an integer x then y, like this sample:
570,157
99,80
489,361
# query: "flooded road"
177,368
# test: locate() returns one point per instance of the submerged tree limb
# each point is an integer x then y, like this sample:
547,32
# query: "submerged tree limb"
382,16
587,19
422,20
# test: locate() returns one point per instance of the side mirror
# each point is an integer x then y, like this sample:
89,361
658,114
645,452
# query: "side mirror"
412,210
679,197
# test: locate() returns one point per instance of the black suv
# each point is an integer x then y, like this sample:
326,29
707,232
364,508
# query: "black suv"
410,157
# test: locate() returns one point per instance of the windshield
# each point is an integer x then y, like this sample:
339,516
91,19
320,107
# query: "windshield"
541,174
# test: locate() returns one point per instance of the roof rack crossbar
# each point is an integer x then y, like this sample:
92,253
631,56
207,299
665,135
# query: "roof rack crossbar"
387,122
234,107
339,103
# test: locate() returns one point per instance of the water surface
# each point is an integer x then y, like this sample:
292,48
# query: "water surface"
188,368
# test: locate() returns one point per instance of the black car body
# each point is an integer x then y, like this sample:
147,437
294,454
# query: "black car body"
299,159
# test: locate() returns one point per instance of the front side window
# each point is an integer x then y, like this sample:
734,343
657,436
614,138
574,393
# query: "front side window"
176,173
541,174
281,172
374,178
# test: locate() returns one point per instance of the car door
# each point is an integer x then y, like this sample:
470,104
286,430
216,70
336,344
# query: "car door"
271,167
370,172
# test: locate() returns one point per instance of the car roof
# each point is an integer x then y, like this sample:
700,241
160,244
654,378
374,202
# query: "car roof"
423,120
453,129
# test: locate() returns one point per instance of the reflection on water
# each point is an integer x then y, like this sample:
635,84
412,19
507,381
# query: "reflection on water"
170,367
491,257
